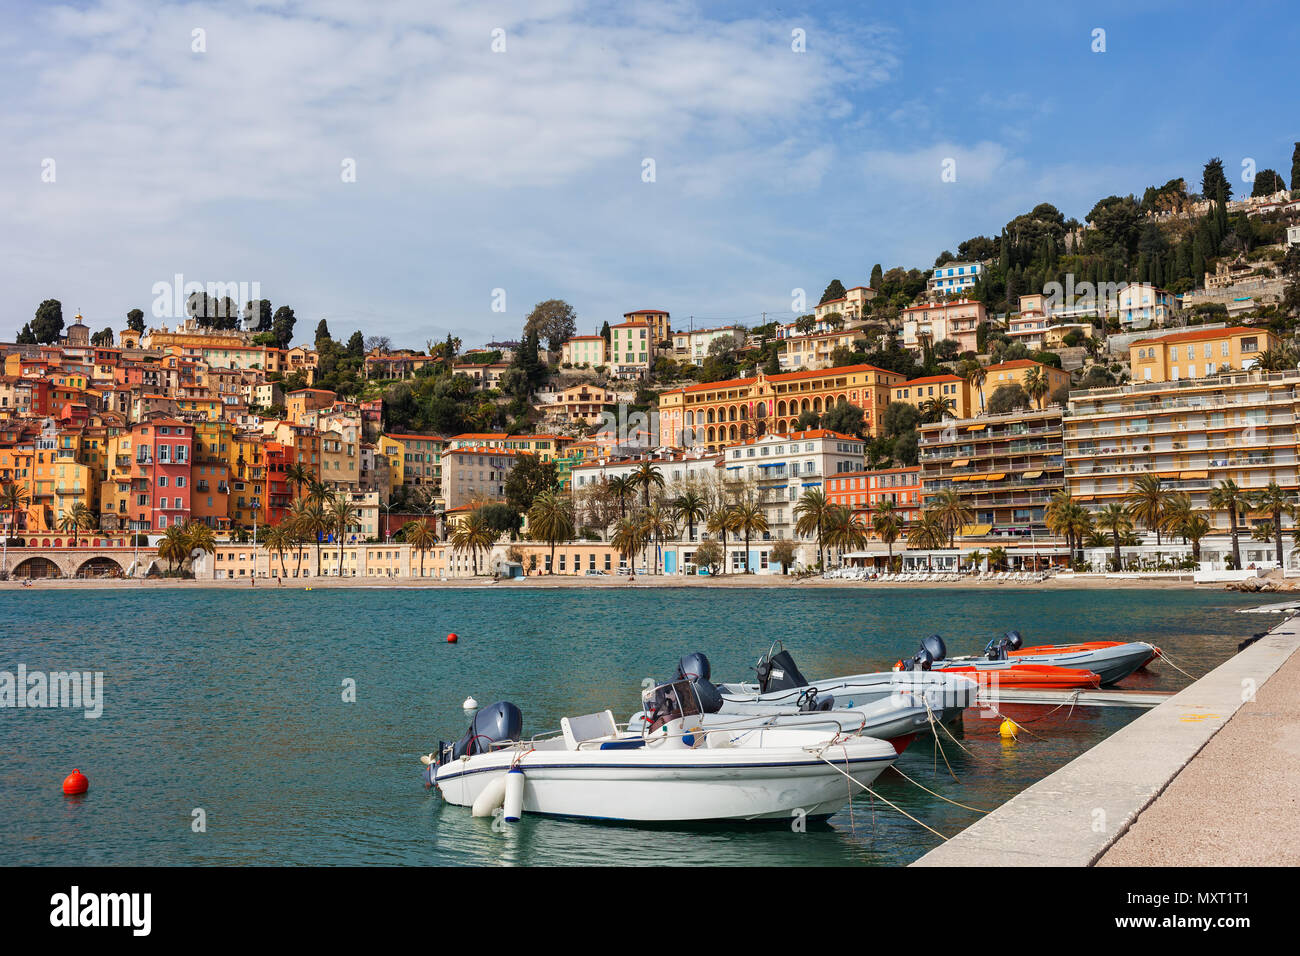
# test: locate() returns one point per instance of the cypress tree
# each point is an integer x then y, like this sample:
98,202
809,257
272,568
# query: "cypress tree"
1295,167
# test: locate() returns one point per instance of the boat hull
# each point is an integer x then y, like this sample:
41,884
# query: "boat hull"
947,694
1016,674
895,717
1112,661
677,786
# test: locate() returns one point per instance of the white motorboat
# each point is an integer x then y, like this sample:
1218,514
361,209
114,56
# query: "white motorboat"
781,684
897,718
675,770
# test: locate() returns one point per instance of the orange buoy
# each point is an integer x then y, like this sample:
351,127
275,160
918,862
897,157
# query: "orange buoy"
451,638
75,783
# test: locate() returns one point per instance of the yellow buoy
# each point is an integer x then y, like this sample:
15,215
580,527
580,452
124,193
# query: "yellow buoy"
1007,729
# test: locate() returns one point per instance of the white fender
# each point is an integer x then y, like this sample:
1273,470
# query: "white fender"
493,795
514,796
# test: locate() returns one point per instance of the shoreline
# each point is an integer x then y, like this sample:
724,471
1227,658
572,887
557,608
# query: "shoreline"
560,581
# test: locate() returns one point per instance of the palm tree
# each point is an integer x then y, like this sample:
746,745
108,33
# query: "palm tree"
199,537
719,523
928,533
298,475
313,521
1194,527
844,531
1177,510
1274,501
68,523
1276,360
975,378
622,487
997,558
1056,516
295,531
645,477
173,548
748,519
550,519
1229,497
342,514
690,507
952,512
810,517
1115,519
1080,522
1036,384
276,541
657,523
473,534
628,539
935,408
887,523
421,536
13,498
1149,502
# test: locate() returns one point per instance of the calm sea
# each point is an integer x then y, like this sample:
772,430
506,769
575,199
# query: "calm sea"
232,702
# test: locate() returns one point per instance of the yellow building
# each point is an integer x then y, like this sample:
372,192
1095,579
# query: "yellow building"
945,388
1016,372
659,322
1192,433
414,460
1198,354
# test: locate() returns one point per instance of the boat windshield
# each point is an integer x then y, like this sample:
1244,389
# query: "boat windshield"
668,702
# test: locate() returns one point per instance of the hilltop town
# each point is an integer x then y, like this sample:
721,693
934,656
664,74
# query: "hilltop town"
1117,394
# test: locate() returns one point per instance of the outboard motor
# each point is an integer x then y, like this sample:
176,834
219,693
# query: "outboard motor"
498,723
932,649
694,667
777,672
998,650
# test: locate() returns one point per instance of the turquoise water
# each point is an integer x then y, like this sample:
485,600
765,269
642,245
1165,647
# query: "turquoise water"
231,701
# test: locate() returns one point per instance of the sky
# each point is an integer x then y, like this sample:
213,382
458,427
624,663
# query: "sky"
414,169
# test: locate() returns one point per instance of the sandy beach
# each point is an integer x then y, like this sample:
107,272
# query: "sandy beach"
1077,582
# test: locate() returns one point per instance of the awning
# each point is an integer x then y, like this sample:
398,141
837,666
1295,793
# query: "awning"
774,487
1032,474
811,484
960,463
1193,474
1166,474
734,467
974,530
975,428
961,478
998,477
771,464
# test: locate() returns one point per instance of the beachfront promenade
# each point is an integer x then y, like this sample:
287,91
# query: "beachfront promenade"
1209,777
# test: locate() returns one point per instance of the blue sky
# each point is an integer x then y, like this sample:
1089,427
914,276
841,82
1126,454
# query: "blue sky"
522,170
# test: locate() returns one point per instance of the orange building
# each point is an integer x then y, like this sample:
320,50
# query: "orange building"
862,491
716,414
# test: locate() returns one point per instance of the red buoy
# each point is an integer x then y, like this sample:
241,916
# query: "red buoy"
451,638
75,783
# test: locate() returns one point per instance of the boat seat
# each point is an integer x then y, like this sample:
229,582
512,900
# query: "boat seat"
622,744
579,730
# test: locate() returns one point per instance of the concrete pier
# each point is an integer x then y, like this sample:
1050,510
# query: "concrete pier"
1231,794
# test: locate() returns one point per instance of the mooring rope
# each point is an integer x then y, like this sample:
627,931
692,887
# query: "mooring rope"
853,780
